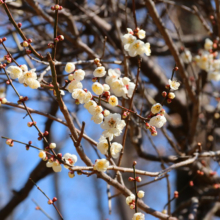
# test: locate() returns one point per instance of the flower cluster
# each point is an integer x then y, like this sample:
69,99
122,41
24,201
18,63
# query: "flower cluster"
103,146
25,76
121,87
130,200
55,163
206,60
132,43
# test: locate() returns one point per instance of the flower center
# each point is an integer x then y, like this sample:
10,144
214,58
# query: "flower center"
111,122
70,161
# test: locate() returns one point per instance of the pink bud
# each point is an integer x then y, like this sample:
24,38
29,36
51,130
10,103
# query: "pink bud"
4,39
130,179
50,202
164,93
54,199
138,179
19,25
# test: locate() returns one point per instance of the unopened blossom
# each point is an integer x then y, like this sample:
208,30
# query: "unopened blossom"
52,145
101,165
115,149
3,100
71,174
138,216
214,75
157,121
174,85
98,118
14,71
113,74
99,71
69,159
55,165
156,108
113,100
130,199
2,92
140,194
186,56
70,67
74,85
106,113
113,124
97,88
208,44
171,95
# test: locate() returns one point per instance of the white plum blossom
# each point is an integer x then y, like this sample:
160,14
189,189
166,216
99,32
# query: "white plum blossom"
99,71
70,67
24,67
186,56
74,85
42,154
157,121
127,40
138,47
89,104
113,74
174,85
97,88
118,88
98,119
95,110
113,100
214,75
204,60
106,113
15,71
130,199
69,159
101,165
208,44
29,78
156,108
103,145
80,95
115,149
138,216
106,87
113,124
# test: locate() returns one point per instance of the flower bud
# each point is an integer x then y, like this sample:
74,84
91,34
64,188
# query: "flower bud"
57,7
132,206
171,95
50,45
10,142
54,199
130,179
140,194
4,39
25,44
52,8
19,25
169,101
50,202
96,60
52,145
138,179
164,211
191,183
61,37
167,86
176,194
59,155
164,93
60,8
1,41
56,40
46,133
71,174
94,79
71,77
147,125
30,41
4,100
135,163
